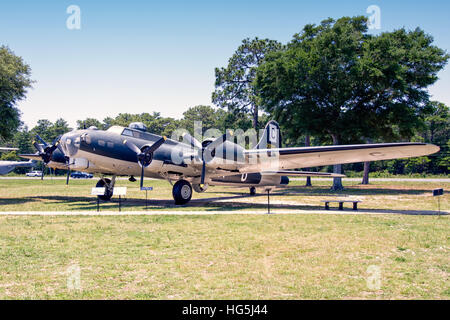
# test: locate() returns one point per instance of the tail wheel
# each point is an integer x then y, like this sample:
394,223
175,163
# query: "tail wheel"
252,191
199,189
108,193
182,192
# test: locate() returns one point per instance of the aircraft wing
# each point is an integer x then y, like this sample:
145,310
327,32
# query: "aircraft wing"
290,173
8,149
31,156
258,160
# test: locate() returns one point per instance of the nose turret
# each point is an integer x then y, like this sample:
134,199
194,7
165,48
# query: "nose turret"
70,143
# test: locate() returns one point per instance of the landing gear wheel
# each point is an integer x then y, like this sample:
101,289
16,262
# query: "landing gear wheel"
199,189
182,192
108,194
252,191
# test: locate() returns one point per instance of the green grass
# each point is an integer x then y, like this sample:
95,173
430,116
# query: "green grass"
54,195
224,257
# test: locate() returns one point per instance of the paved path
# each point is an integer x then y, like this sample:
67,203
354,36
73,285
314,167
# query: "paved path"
221,212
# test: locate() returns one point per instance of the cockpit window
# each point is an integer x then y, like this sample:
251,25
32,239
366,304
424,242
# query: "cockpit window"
127,132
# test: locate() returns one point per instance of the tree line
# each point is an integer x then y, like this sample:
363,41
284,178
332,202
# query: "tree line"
332,83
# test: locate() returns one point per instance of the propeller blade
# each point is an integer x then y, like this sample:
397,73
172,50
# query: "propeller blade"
52,148
38,147
191,141
56,140
43,172
132,146
41,140
156,145
68,177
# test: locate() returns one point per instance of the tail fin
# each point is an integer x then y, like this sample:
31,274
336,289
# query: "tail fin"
271,137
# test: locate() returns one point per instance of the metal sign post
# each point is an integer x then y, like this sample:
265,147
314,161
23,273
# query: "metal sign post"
438,193
146,189
120,191
268,200
98,192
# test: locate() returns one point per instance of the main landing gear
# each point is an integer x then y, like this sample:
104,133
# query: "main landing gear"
109,184
252,191
182,192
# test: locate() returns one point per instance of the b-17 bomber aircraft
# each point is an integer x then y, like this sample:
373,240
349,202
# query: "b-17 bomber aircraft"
191,164
8,166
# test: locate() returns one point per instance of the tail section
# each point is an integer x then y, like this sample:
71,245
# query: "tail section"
271,137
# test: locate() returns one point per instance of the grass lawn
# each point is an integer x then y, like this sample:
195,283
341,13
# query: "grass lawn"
224,256
54,195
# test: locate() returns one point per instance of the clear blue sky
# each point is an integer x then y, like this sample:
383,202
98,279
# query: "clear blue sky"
144,56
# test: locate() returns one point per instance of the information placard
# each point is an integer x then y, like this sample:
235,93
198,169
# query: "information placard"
98,191
120,191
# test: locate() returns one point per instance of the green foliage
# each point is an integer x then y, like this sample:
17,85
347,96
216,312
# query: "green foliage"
48,130
335,79
235,84
210,118
8,156
154,122
14,82
90,122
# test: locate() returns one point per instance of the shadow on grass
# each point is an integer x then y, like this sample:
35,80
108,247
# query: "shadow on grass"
227,203
348,191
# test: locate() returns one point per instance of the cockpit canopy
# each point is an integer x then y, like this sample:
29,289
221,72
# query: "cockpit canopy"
138,126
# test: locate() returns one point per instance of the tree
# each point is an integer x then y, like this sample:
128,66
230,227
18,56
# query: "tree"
154,122
44,130
211,118
90,122
59,128
22,140
335,79
235,83
14,82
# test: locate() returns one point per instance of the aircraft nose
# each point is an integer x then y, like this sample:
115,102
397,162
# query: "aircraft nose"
70,143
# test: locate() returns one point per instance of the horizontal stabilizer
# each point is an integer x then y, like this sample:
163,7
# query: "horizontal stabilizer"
290,173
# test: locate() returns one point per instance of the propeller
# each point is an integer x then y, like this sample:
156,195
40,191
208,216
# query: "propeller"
46,151
144,155
207,150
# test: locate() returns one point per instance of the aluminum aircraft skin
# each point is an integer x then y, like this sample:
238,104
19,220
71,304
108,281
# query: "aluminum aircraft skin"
8,166
191,164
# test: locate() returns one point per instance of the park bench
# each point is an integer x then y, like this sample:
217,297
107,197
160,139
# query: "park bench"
341,204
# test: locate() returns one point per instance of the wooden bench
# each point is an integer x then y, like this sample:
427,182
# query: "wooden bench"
341,204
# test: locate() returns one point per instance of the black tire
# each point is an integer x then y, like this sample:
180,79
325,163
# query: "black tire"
252,191
108,194
182,192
